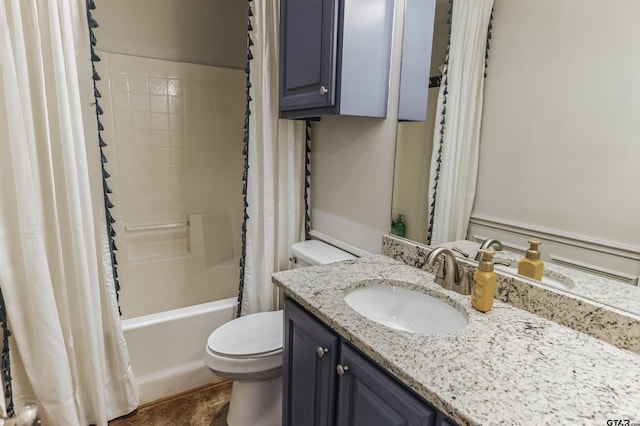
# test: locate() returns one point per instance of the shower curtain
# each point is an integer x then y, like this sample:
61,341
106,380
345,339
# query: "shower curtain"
67,347
460,106
276,169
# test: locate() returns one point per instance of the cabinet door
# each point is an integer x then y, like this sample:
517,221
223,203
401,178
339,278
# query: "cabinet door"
368,396
308,35
309,360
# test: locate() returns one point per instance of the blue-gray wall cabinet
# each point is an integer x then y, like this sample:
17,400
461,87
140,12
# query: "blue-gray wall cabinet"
335,57
329,382
416,59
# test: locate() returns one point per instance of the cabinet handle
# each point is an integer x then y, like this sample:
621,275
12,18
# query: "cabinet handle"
341,369
321,351
323,90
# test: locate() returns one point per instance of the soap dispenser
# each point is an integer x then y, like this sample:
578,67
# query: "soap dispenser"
530,265
398,227
484,282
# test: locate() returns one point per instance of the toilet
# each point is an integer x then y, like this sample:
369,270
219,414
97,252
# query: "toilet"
248,350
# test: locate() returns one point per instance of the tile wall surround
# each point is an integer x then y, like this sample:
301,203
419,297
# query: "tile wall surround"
174,133
612,325
176,130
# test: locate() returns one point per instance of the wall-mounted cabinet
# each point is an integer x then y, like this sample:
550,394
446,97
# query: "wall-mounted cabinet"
335,57
417,43
329,382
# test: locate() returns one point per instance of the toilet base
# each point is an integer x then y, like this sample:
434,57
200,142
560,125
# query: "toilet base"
256,403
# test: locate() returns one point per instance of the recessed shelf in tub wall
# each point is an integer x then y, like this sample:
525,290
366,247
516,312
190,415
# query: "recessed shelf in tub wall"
157,241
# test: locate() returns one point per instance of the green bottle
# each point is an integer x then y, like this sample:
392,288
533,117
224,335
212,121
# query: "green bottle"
398,227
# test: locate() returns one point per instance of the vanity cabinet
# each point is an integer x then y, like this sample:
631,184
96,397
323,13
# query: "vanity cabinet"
335,57
310,356
329,382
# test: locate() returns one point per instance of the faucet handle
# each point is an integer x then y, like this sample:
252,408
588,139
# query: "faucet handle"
462,252
440,272
465,285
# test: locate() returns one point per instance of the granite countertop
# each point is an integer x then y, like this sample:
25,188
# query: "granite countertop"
589,286
506,366
604,319
595,305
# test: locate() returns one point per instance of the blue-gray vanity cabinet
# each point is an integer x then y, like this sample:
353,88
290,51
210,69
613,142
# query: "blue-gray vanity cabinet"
309,357
335,57
329,382
368,396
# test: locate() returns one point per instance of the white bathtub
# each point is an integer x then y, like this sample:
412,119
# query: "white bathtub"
166,348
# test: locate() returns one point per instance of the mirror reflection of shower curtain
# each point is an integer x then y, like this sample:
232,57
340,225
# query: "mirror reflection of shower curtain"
67,348
276,169
459,111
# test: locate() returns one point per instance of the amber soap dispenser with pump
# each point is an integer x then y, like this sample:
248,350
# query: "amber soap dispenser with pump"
484,282
530,265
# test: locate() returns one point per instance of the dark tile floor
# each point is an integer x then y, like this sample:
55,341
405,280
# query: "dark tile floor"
205,406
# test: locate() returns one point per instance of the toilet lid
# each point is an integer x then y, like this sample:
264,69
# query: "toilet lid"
316,252
253,334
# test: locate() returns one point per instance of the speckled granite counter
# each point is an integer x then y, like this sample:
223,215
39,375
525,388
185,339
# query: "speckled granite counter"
595,305
588,286
505,367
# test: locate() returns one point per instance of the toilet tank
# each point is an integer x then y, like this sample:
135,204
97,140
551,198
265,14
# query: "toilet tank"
316,252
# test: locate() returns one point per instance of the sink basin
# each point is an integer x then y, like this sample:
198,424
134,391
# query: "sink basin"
406,310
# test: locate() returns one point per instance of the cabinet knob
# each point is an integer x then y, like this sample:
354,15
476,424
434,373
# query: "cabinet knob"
323,90
321,351
341,369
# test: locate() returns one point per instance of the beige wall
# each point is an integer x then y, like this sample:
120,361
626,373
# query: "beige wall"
414,143
352,177
559,141
211,32
352,165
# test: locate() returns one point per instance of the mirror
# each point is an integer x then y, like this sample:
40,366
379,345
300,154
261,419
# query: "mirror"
414,143
558,149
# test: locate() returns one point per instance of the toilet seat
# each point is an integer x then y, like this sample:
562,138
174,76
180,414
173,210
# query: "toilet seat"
249,336
247,348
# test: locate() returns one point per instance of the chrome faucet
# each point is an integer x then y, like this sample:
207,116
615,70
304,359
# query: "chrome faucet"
448,274
489,242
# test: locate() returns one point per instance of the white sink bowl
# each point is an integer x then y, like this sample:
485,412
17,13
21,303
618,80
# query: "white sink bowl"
406,310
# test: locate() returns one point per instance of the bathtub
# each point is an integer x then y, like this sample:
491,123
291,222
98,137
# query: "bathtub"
166,348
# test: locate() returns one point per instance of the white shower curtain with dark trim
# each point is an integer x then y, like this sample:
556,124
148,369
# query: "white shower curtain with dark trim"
457,174
67,347
276,169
